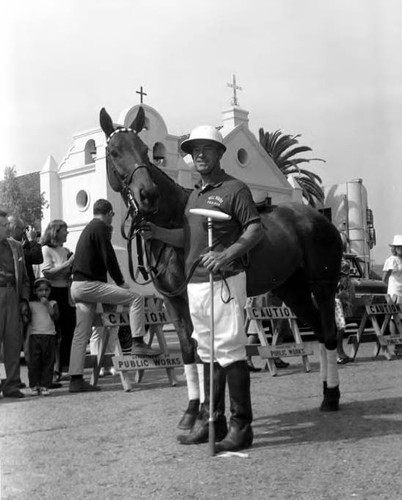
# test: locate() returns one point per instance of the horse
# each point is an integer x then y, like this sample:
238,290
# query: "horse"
298,259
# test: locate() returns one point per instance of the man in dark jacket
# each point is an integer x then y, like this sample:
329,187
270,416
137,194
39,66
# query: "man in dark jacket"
14,296
28,237
94,258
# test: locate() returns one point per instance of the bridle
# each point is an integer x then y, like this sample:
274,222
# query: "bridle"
122,185
125,180
133,210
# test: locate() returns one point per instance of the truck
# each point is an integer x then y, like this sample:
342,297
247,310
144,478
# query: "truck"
346,205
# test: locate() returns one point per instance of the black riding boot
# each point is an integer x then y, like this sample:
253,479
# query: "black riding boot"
199,433
240,433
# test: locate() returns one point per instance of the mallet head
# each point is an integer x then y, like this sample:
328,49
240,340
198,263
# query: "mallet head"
211,214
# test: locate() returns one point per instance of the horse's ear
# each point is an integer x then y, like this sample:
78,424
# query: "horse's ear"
106,122
139,120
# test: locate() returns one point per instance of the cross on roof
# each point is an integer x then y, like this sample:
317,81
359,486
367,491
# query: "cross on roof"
235,87
142,93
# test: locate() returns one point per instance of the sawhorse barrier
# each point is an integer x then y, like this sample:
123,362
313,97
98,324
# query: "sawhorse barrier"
155,318
390,311
270,352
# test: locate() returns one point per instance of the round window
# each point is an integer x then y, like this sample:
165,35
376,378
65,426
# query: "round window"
82,200
242,157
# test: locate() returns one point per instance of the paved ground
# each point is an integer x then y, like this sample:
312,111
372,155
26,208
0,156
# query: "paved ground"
114,444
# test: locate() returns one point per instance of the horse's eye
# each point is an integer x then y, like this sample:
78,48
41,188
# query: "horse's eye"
114,154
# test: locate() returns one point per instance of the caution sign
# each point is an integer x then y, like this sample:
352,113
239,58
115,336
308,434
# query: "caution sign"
155,317
275,315
390,312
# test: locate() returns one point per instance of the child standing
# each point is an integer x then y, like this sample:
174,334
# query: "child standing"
392,274
42,338
393,269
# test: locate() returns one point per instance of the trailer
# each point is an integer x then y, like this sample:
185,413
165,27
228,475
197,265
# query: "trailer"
346,205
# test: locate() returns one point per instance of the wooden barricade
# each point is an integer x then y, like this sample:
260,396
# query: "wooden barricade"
155,318
270,352
376,306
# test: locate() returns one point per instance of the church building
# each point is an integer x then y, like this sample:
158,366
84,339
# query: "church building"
73,186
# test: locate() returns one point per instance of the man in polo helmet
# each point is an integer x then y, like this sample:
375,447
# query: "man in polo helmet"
233,238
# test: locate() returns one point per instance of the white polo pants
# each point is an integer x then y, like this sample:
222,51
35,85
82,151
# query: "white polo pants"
229,336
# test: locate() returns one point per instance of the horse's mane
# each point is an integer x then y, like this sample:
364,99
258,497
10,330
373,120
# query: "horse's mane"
184,192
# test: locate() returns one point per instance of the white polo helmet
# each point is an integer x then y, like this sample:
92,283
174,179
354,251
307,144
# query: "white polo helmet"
203,133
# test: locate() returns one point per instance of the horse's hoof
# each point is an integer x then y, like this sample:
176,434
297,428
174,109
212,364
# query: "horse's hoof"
190,415
342,360
251,367
279,363
331,399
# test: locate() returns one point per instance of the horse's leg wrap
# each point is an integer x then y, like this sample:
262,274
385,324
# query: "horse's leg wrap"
193,388
332,368
323,366
200,369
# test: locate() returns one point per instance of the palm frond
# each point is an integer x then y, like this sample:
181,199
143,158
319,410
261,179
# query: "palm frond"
295,151
283,148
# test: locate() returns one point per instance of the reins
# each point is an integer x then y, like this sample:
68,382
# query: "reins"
122,184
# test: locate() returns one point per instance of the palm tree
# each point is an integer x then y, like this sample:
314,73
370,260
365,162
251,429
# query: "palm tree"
282,148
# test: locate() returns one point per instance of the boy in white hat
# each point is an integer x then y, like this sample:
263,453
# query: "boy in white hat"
393,269
392,273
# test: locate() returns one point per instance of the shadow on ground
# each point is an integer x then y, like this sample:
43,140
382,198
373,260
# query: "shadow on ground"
355,421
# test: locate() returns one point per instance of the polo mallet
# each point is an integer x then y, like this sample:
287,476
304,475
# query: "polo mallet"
211,215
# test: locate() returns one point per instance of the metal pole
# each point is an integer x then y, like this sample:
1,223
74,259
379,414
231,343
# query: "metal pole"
211,426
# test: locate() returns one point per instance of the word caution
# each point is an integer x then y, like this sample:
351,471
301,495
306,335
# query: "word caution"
123,318
383,309
282,312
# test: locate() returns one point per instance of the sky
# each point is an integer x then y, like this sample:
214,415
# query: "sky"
330,71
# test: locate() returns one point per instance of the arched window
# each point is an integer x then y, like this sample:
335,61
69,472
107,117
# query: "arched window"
90,152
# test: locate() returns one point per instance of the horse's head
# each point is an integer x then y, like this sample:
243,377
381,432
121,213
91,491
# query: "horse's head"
128,163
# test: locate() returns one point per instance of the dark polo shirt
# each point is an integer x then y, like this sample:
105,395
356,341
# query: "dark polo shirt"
227,195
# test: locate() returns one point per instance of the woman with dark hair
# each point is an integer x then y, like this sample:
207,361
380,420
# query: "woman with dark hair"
57,267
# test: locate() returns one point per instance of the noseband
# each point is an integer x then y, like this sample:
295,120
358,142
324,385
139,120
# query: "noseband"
133,209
